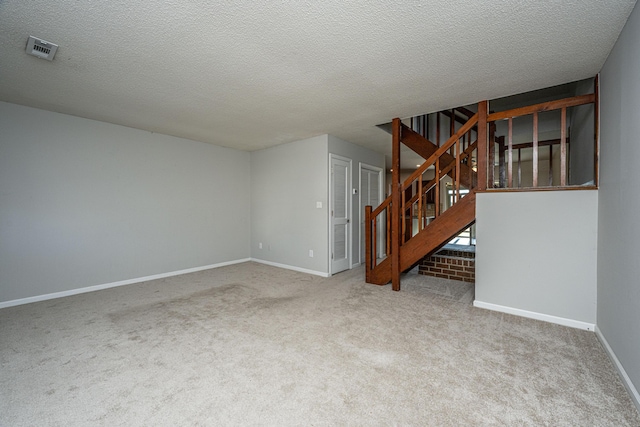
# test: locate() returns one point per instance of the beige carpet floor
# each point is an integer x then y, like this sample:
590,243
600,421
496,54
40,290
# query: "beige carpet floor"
251,344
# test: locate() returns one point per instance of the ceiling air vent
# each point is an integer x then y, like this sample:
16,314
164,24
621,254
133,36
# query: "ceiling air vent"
41,48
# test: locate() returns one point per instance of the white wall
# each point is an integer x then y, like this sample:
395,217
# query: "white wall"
85,203
536,254
286,183
619,204
358,155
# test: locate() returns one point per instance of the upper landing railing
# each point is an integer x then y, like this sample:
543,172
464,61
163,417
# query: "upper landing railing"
511,170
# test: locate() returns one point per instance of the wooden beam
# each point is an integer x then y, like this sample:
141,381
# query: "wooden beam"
482,145
396,211
417,142
466,112
457,118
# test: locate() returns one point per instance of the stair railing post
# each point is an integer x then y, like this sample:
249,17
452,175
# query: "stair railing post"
482,145
369,260
396,208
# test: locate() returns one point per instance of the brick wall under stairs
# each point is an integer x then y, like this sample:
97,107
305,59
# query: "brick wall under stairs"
451,263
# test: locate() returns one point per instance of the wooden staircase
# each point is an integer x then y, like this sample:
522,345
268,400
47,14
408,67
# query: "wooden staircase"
456,170
459,164
440,231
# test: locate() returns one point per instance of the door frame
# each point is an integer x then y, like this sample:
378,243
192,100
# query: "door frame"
380,172
349,211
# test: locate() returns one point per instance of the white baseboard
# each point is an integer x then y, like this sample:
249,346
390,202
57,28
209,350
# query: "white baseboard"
633,391
4,304
291,267
538,316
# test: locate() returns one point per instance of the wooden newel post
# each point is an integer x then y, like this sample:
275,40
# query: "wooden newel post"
395,206
482,146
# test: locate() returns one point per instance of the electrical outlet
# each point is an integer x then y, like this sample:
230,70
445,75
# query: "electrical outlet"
310,253
260,245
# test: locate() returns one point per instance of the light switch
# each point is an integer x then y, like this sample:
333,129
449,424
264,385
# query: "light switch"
319,205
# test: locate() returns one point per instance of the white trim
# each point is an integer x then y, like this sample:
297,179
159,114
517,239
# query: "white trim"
633,391
349,211
291,267
5,304
361,166
537,316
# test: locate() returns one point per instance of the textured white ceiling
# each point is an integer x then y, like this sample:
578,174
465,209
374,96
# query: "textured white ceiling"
251,74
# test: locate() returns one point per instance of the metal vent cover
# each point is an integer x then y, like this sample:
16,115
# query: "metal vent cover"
41,48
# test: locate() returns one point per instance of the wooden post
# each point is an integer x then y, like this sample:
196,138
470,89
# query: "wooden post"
501,169
457,190
535,149
563,147
491,160
419,204
387,235
396,208
550,165
519,169
437,204
510,168
482,145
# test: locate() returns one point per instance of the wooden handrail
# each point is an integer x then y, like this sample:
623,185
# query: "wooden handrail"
544,106
384,205
440,151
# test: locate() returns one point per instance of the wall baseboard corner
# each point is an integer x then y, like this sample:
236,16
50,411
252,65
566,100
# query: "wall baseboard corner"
537,316
291,267
633,391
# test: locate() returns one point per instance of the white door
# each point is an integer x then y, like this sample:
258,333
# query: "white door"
370,195
339,227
